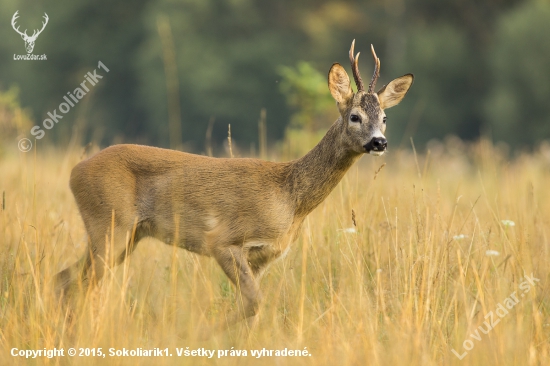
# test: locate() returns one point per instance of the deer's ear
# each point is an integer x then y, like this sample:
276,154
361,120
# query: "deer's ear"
339,85
391,94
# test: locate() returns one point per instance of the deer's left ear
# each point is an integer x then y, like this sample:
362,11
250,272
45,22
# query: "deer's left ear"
391,94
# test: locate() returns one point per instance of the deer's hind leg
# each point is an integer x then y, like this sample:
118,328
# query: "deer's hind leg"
103,252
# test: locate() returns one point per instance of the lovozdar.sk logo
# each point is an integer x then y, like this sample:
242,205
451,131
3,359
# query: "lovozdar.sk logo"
29,40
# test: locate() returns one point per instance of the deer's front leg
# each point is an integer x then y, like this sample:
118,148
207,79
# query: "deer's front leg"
234,263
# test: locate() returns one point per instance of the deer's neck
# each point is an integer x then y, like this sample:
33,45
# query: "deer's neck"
315,175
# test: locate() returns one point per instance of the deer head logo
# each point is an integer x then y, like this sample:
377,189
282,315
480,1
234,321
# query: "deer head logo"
29,40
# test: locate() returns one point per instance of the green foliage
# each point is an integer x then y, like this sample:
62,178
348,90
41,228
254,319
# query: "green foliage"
517,108
305,90
14,120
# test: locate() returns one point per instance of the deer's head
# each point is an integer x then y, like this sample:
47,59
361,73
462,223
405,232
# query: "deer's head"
29,40
362,113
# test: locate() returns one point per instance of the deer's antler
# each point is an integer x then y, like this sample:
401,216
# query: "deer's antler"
355,68
376,74
24,34
37,32
13,20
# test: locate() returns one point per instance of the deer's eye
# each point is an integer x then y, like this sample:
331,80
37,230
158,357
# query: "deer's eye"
354,118
385,118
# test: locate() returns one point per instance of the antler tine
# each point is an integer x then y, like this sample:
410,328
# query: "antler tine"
350,50
13,21
355,68
45,16
376,74
14,17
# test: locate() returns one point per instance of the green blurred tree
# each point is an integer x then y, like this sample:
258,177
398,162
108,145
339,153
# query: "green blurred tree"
306,91
517,108
442,100
15,121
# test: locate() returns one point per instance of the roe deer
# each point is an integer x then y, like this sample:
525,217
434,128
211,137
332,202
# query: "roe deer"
243,212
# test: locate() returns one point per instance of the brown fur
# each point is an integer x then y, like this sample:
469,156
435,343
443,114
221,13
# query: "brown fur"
242,212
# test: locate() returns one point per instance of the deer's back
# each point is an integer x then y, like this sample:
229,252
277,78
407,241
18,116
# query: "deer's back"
166,189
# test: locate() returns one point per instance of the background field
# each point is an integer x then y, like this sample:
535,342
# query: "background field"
405,284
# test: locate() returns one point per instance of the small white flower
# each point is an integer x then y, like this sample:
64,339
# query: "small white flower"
508,223
379,270
350,230
460,237
492,253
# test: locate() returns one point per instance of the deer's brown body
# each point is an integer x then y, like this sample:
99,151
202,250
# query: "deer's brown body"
242,212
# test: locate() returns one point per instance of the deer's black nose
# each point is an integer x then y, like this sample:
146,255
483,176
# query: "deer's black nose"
379,143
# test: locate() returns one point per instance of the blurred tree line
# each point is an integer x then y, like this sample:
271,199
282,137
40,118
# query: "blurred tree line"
175,65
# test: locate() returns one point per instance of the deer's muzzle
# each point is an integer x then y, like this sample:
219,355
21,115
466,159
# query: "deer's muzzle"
376,146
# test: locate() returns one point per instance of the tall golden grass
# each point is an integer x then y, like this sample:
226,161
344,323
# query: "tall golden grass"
404,282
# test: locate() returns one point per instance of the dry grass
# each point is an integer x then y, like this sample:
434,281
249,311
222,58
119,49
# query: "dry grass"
401,290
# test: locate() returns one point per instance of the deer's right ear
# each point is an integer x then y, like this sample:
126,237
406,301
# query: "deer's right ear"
339,84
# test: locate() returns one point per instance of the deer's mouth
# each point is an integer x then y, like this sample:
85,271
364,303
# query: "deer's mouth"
376,153
377,146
